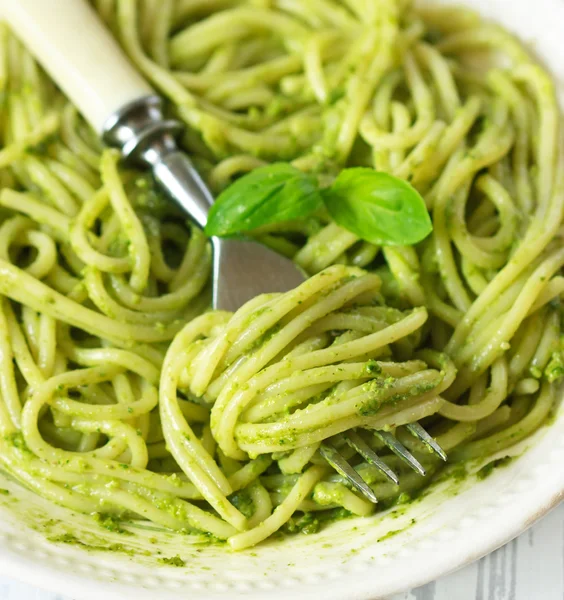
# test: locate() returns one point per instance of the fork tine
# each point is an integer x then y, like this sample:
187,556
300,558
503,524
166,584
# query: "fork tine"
401,451
332,456
419,432
354,440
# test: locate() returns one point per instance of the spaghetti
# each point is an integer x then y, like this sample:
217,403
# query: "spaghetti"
120,394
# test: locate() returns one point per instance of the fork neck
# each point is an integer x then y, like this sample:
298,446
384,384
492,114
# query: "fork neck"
146,139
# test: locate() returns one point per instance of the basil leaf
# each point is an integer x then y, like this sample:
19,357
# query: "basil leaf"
270,194
378,207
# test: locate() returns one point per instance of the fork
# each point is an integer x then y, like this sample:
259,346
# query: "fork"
331,454
75,48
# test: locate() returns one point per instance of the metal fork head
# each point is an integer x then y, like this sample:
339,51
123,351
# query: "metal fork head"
340,464
243,269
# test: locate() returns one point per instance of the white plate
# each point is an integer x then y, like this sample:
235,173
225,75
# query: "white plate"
348,561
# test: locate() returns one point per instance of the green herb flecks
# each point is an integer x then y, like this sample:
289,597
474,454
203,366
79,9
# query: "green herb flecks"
243,502
487,470
173,561
111,523
307,524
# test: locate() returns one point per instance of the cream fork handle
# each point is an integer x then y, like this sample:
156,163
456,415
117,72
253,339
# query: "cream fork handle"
79,53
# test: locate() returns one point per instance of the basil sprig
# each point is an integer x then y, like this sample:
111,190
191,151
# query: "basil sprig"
376,206
271,194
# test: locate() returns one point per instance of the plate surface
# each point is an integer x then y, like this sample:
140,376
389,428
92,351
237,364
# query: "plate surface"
452,525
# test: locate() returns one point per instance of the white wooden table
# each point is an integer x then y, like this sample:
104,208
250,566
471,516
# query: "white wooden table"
530,567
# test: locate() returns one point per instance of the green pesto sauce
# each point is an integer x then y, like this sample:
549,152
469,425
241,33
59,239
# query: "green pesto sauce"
307,524
488,469
555,368
69,538
173,561
394,532
377,389
111,523
373,368
243,502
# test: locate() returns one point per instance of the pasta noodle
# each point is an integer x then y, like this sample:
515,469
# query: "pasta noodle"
121,394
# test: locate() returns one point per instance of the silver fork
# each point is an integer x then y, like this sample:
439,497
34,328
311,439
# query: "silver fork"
353,439
90,67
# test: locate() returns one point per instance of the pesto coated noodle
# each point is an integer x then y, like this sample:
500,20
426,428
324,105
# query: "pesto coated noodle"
120,393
